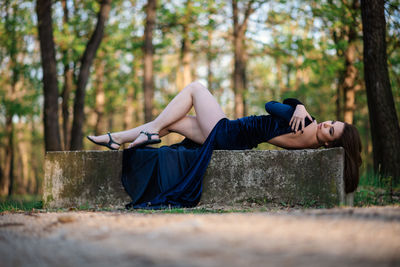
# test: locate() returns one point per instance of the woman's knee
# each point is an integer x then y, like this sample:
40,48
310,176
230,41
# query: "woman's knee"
196,86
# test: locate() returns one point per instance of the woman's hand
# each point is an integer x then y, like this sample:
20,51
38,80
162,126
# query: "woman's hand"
298,120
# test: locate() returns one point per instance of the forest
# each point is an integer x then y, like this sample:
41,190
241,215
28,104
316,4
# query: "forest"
70,68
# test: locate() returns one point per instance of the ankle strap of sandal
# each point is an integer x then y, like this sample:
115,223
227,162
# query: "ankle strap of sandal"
111,141
149,135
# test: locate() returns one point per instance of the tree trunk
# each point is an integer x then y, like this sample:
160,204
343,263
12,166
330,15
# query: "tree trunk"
68,84
36,176
86,62
23,152
8,177
148,51
385,128
1,180
210,58
339,97
68,88
31,178
10,158
186,57
186,45
100,127
351,72
50,86
349,81
237,49
239,72
279,79
131,109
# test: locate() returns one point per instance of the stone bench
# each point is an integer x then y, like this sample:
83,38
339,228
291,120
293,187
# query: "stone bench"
304,177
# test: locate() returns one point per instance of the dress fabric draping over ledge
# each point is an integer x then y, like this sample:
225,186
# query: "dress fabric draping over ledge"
172,176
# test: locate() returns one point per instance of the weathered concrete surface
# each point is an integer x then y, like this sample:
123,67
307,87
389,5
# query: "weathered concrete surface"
329,237
83,178
305,177
308,177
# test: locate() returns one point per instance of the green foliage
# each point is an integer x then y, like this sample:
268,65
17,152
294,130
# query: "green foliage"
20,203
376,190
18,88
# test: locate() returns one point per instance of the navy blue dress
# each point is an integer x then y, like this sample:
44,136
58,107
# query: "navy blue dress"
172,176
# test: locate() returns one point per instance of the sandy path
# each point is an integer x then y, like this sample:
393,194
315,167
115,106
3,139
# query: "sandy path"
345,237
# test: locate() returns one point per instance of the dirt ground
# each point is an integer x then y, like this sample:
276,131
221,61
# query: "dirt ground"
328,237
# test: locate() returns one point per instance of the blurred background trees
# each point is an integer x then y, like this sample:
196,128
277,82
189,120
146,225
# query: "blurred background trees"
116,68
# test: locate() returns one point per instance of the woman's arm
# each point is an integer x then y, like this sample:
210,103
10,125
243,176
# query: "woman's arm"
280,110
293,102
292,110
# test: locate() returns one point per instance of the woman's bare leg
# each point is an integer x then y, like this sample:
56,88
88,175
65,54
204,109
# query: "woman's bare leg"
188,127
208,113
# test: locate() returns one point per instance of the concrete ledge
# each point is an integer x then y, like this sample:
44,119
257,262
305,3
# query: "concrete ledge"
308,177
83,178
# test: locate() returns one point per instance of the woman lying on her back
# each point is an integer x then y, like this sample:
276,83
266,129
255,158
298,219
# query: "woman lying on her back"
289,126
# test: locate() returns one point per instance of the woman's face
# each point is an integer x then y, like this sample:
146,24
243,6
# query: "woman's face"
329,131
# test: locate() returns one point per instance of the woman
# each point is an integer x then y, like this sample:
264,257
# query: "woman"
289,126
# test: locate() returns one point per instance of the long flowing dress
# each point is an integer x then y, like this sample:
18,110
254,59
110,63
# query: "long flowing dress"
172,176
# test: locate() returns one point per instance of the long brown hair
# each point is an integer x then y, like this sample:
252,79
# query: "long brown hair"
351,142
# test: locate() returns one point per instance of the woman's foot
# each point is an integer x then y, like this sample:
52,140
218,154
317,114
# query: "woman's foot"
146,138
107,140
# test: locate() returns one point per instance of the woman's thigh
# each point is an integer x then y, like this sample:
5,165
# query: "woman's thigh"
208,111
189,127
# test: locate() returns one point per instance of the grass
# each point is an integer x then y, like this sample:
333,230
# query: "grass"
376,190
184,211
372,190
19,203
24,203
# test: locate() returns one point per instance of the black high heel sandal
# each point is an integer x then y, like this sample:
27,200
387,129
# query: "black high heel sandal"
108,145
149,141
